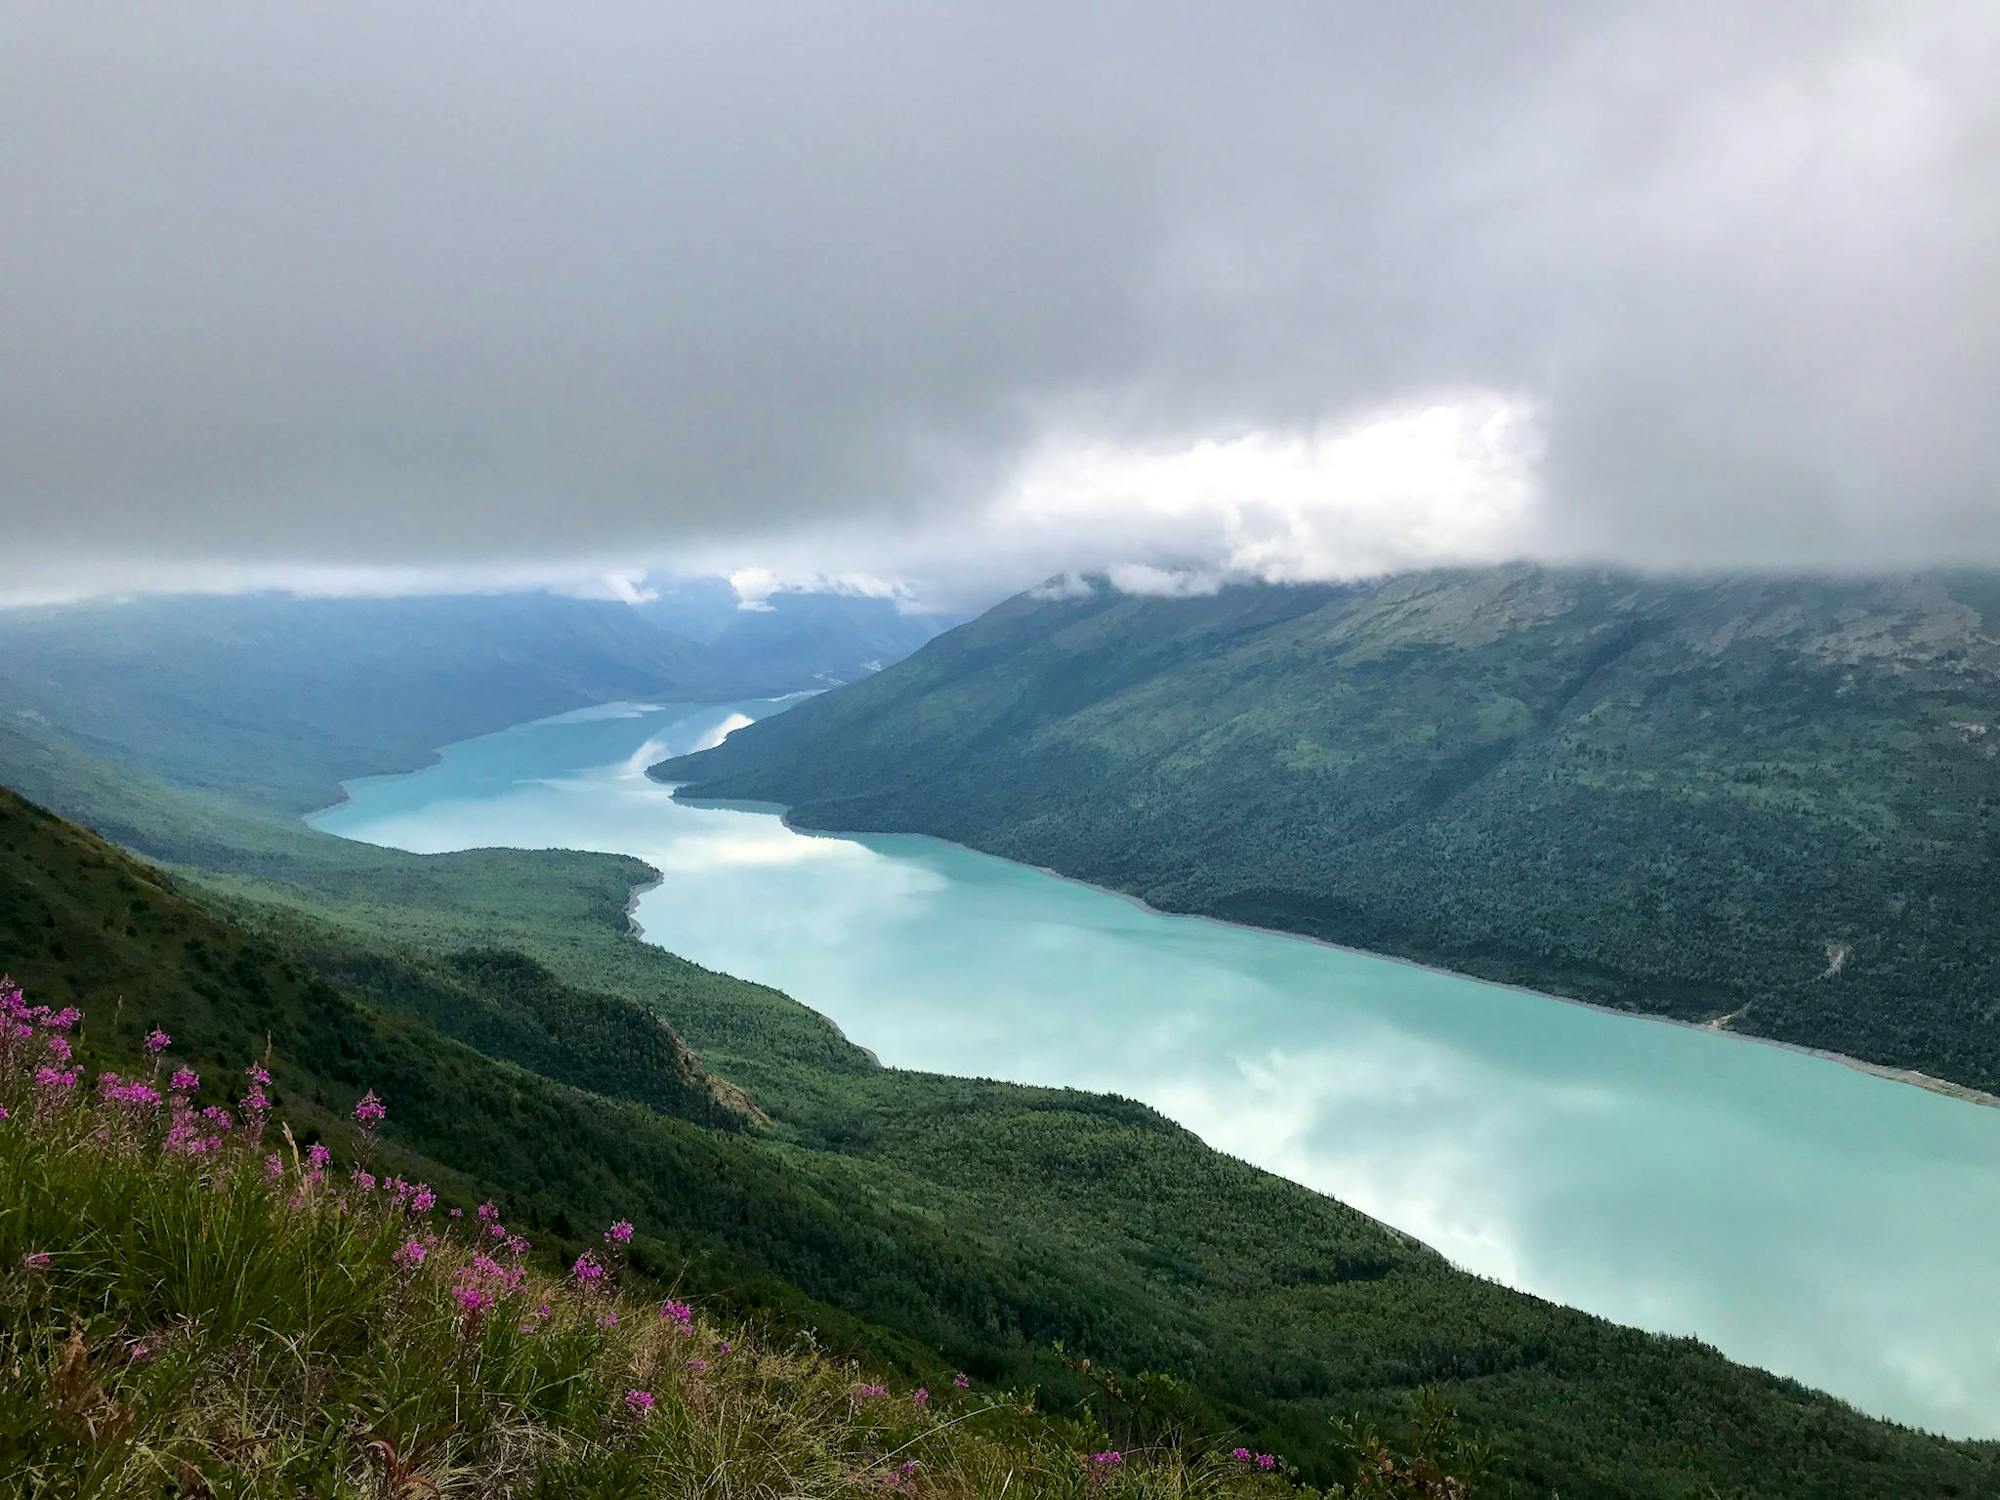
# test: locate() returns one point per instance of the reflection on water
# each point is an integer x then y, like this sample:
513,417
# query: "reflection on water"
1797,1213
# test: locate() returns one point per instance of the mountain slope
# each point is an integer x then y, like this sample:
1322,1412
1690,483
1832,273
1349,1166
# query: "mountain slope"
933,1222
279,698
1771,803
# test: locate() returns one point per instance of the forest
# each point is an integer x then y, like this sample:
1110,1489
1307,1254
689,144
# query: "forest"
1767,804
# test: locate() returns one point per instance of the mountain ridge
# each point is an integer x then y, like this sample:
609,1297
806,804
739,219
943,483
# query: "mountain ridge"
1668,796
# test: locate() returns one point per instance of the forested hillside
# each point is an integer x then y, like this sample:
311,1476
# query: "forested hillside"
924,1223
1771,804
276,698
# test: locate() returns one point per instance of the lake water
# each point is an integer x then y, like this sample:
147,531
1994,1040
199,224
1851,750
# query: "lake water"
1799,1214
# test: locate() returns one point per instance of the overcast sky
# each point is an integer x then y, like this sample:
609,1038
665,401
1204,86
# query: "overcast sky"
953,298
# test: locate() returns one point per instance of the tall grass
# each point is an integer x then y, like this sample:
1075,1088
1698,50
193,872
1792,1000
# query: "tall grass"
190,1305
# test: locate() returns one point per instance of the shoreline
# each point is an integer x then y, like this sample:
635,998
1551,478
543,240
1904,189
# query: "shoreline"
1944,1087
632,924
636,930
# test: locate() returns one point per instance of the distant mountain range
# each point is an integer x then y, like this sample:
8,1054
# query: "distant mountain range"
1767,804
266,695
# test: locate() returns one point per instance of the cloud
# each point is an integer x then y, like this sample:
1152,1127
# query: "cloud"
962,299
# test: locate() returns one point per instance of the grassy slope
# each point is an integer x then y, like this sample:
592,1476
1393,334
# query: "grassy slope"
925,1220
1665,796
192,1326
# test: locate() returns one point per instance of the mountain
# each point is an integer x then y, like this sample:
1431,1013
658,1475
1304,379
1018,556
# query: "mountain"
1768,804
794,638
536,1053
276,698
265,694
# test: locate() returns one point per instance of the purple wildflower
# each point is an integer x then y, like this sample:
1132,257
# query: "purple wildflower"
157,1041
184,1081
36,1260
639,1403
960,1381
619,1233
410,1256
920,1398
371,1110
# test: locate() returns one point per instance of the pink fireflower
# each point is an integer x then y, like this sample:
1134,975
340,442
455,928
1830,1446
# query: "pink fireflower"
184,1081
619,1233
410,1256
680,1312
586,1270
36,1260
274,1167
961,1380
920,1398
370,1110
157,1041
639,1403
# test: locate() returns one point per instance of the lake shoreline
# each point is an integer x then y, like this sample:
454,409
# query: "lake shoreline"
1964,1093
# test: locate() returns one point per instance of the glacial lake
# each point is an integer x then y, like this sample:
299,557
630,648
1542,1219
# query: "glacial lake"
1797,1213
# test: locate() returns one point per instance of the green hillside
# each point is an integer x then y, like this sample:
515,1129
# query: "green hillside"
1772,804
193,1306
924,1223
277,699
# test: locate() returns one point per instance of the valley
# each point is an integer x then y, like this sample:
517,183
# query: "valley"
1763,1200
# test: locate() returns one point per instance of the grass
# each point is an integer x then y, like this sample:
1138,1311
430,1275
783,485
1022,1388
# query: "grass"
191,1305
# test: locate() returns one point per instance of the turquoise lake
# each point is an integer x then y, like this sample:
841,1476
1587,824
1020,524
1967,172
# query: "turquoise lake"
1798,1214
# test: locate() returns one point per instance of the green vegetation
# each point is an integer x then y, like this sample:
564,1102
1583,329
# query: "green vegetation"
917,1223
1773,804
190,1306
278,699
913,1221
